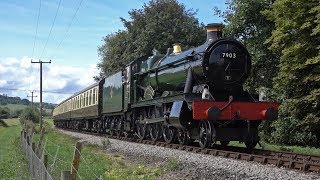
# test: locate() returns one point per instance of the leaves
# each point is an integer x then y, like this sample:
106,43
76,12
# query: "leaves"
158,24
295,35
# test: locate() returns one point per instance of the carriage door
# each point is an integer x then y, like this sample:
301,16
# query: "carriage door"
126,87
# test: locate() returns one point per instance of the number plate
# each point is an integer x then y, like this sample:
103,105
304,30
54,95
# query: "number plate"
228,55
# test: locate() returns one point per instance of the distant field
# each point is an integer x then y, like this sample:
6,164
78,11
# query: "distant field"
15,107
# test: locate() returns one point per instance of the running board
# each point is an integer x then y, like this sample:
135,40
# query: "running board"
151,121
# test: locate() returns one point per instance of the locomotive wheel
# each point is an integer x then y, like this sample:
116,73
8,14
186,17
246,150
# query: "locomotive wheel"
118,129
142,131
250,144
213,133
126,134
112,127
205,134
155,131
183,137
224,143
169,134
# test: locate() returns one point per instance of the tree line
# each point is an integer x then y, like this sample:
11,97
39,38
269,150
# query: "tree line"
14,110
283,37
5,99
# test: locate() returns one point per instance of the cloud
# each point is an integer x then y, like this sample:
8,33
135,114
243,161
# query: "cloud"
21,74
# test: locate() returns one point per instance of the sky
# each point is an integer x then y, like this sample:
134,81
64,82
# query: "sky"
77,30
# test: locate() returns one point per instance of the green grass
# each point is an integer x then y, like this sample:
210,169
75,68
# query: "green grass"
94,161
13,164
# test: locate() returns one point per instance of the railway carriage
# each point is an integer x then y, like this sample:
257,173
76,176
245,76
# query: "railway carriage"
180,96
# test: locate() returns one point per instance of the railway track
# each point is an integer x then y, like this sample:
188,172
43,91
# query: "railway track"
288,160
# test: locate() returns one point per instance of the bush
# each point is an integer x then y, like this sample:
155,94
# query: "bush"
289,131
265,131
30,114
4,113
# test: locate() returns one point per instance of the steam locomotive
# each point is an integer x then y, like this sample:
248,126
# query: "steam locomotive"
180,97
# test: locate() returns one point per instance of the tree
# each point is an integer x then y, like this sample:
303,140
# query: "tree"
4,113
30,114
158,24
245,21
297,36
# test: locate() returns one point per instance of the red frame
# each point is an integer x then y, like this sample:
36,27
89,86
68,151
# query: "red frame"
247,110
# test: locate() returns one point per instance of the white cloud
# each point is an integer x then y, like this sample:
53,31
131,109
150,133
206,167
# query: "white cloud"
21,74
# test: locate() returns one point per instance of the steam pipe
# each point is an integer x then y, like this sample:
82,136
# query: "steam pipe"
189,82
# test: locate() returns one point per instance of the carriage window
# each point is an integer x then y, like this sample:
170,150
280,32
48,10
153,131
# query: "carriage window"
83,100
94,96
90,97
97,94
87,98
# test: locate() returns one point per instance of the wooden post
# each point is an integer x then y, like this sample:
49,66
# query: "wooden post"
40,141
33,146
65,175
45,160
28,141
45,163
76,160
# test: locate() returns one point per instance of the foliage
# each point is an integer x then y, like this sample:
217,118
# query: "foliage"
4,99
158,24
4,113
30,114
173,164
297,36
16,113
16,109
105,141
244,21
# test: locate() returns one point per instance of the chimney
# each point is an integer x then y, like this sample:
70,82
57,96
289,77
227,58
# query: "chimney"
214,31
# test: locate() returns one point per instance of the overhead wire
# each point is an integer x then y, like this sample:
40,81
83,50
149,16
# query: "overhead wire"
66,33
36,33
54,20
31,70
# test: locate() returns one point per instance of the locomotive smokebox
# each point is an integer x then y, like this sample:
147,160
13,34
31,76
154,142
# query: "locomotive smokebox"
214,31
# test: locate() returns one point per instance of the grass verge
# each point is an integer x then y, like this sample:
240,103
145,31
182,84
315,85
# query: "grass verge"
94,161
13,164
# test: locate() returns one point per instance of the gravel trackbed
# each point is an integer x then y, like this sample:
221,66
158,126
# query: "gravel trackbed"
191,165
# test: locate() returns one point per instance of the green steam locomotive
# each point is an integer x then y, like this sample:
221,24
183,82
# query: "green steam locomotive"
180,96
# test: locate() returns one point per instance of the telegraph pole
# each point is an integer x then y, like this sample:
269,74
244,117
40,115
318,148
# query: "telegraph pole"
32,98
40,62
